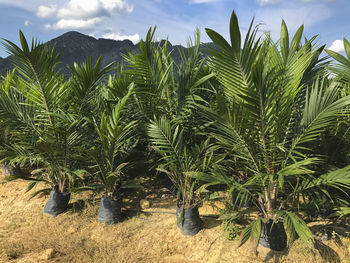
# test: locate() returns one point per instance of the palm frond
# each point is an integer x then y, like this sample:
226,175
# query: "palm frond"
85,80
295,226
167,139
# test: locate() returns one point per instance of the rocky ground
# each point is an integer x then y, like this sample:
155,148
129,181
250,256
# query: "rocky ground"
28,235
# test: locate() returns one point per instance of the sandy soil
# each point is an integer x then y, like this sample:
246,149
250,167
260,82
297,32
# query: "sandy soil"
28,235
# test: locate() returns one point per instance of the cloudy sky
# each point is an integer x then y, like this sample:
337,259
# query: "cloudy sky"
175,19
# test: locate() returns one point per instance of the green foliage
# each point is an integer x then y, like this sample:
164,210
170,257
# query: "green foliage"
295,226
252,231
232,231
340,70
84,86
271,108
340,212
165,94
179,160
42,113
114,139
232,222
151,71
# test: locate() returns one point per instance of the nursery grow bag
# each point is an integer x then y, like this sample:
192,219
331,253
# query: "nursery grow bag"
191,221
109,211
57,203
275,238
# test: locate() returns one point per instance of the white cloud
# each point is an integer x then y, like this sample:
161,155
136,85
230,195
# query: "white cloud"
27,23
267,2
46,11
80,9
116,36
202,1
117,6
68,24
83,14
337,46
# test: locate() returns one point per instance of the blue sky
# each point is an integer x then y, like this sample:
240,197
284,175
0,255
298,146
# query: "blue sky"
175,19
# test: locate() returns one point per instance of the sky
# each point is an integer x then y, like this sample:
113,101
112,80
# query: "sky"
175,19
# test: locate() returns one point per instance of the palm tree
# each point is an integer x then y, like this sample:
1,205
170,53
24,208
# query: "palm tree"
164,90
267,116
165,95
44,114
178,160
114,138
114,141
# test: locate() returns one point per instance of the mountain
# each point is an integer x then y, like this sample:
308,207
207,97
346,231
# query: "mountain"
76,47
5,64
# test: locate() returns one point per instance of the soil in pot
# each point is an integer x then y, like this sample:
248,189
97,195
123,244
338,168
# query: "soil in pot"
274,238
191,221
109,211
57,203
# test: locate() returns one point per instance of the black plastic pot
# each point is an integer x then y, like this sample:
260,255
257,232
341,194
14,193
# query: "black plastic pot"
57,203
275,238
191,221
109,211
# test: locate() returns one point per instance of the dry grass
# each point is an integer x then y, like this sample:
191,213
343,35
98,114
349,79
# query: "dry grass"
75,236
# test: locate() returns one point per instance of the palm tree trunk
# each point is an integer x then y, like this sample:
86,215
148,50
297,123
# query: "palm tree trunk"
270,199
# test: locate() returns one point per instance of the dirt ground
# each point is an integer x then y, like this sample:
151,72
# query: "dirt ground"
28,235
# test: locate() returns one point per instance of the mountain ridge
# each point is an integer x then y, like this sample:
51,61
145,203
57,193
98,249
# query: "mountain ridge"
74,46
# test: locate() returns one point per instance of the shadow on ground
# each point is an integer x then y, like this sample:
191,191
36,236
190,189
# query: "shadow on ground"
275,256
209,222
327,253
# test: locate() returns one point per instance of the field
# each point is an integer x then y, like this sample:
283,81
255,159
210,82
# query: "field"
28,235
260,128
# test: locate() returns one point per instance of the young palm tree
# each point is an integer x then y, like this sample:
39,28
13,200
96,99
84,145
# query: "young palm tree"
178,161
267,116
45,114
164,91
114,139
165,95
